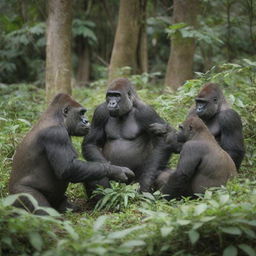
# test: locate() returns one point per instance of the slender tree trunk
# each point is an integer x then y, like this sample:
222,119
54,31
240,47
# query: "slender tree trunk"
58,48
180,64
128,38
142,54
83,69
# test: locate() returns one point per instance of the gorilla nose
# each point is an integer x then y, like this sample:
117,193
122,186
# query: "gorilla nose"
85,121
112,104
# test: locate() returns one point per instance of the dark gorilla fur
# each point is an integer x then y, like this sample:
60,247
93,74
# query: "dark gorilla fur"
202,164
121,134
45,161
222,121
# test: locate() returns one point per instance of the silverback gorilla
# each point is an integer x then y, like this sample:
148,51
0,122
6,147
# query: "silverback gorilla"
120,134
222,121
202,162
45,161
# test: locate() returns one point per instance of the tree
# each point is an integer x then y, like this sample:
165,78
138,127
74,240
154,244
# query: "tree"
58,48
130,40
180,64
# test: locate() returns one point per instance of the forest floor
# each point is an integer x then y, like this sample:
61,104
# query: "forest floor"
221,222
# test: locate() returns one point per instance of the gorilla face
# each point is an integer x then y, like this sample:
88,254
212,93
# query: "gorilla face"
118,103
183,134
206,108
75,121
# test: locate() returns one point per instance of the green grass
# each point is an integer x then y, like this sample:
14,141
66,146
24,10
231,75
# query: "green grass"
223,221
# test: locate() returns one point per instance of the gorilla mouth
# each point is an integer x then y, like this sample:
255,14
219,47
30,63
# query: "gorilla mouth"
113,112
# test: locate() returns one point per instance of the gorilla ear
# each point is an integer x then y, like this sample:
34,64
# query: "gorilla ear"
129,94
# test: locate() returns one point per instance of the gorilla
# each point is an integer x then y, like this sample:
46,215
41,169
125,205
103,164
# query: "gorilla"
45,161
202,163
121,134
222,121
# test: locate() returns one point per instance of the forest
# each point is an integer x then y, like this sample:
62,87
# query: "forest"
168,50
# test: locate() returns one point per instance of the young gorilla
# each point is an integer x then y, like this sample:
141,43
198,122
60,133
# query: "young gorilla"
202,162
120,134
45,161
223,122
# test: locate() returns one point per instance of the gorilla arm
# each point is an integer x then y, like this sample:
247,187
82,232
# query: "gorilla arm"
96,137
179,182
63,160
159,156
231,139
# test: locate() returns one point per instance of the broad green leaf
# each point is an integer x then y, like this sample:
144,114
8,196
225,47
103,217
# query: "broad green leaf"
123,233
200,209
99,223
133,243
207,218
36,240
193,236
183,222
97,250
247,249
70,230
231,230
165,231
230,251
224,199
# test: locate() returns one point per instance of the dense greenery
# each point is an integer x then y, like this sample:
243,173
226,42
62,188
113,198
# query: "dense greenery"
220,222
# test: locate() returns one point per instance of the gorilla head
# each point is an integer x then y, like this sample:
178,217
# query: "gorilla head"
72,114
120,97
190,127
209,101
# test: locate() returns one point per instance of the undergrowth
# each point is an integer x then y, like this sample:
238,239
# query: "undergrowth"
221,222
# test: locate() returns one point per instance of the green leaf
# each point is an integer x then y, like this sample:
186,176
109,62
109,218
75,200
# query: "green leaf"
133,243
224,199
24,121
183,222
123,233
193,236
36,240
231,230
247,249
70,230
99,223
165,231
200,209
230,251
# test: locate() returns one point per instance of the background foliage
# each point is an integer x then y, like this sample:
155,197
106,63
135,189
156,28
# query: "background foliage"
220,222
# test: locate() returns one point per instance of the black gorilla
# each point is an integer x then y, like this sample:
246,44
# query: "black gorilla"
45,161
222,121
202,162
120,134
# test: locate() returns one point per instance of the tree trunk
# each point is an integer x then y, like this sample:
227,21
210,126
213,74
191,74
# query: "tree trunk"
143,49
58,48
83,69
127,44
180,64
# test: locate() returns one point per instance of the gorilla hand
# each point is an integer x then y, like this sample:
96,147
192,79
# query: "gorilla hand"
119,173
158,129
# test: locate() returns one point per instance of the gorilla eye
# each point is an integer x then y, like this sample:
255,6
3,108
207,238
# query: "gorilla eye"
190,127
65,111
215,99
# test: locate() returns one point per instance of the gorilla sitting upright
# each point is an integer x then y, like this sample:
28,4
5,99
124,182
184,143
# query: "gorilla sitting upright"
45,161
121,134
